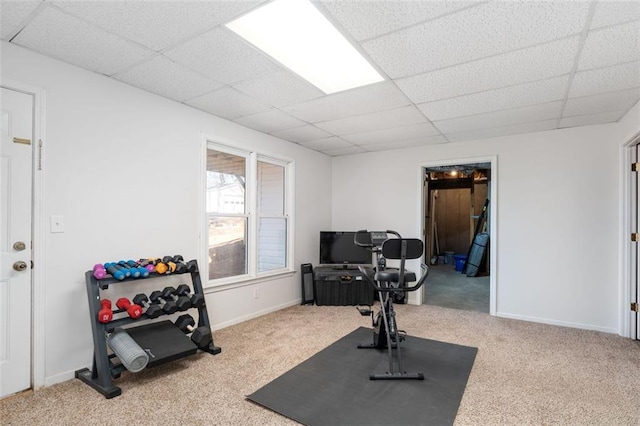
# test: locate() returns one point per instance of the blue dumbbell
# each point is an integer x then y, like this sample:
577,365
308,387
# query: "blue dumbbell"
115,271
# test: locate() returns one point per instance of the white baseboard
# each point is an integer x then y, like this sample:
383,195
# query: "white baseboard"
254,315
61,377
558,323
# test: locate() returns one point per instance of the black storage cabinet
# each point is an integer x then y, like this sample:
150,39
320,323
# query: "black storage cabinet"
341,287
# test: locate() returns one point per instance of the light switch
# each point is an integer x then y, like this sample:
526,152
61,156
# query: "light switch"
57,223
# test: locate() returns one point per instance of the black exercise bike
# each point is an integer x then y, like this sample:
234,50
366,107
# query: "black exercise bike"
390,283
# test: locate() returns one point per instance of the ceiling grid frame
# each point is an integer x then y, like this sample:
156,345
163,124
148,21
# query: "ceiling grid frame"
602,84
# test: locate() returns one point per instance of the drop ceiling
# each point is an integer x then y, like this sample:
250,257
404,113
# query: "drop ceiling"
454,70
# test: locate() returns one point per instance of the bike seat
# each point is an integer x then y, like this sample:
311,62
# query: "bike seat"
393,276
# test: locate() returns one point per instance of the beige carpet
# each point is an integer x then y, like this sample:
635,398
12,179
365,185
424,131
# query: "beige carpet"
524,374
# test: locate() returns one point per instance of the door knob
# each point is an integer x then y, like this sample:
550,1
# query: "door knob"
20,266
19,246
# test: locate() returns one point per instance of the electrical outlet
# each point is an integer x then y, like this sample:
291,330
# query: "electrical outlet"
256,293
57,223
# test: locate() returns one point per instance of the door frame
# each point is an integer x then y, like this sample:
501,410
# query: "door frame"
38,231
493,218
627,262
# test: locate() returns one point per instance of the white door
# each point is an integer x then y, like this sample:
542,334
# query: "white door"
16,127
635,261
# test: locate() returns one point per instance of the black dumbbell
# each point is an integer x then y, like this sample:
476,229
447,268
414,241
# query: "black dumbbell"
153,310
182,302
201,336
177,260
191,266
168,305
197,300
175,266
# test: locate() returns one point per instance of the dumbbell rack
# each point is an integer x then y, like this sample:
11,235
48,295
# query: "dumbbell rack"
104,369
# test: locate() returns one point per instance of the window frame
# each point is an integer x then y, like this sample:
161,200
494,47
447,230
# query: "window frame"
251,213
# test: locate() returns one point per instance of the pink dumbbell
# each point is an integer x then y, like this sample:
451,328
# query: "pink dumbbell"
99,272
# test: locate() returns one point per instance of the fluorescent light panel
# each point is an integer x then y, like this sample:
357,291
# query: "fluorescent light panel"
297,35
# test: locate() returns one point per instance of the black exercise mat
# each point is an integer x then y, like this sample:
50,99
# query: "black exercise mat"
333,387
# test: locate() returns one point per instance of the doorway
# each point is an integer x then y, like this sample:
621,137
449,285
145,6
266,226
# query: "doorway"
633,272
25,104
635,208
17,131
457,217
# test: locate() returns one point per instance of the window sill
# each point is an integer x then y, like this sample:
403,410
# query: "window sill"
243,282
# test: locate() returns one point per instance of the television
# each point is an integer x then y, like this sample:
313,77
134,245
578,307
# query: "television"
338,249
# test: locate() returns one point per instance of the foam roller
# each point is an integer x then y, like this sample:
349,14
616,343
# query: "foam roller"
132,356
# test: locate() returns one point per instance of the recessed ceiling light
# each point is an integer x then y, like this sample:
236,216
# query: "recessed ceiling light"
297,35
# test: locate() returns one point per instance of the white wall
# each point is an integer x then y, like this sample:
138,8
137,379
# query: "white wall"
122,167
629,126
557,216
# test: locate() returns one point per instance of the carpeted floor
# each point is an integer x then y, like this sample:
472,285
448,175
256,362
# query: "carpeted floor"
524,374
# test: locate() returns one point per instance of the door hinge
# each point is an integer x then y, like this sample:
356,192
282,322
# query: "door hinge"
635,237
39,154
634,307
635,167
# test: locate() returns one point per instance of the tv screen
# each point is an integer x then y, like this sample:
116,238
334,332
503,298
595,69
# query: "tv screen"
338,248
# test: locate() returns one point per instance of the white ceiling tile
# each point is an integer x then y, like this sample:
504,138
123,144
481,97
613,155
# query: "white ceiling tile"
531,64
303,133
609,79
615,12
156,24
405,143
591,119
333,142
279,88
501,118
475,33
227,103
538,92
222,56
69,39
166,78
479,69
269,121
366,19
343,151
605,102
515,129
13,14
374,97
414,131
375,121
611,46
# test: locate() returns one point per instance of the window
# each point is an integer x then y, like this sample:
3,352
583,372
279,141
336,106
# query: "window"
248,214
272,222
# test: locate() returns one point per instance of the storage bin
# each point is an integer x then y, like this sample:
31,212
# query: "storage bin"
341,287
448,257
460,260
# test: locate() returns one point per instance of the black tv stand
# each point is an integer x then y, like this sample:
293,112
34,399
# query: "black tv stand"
349,267
342,285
